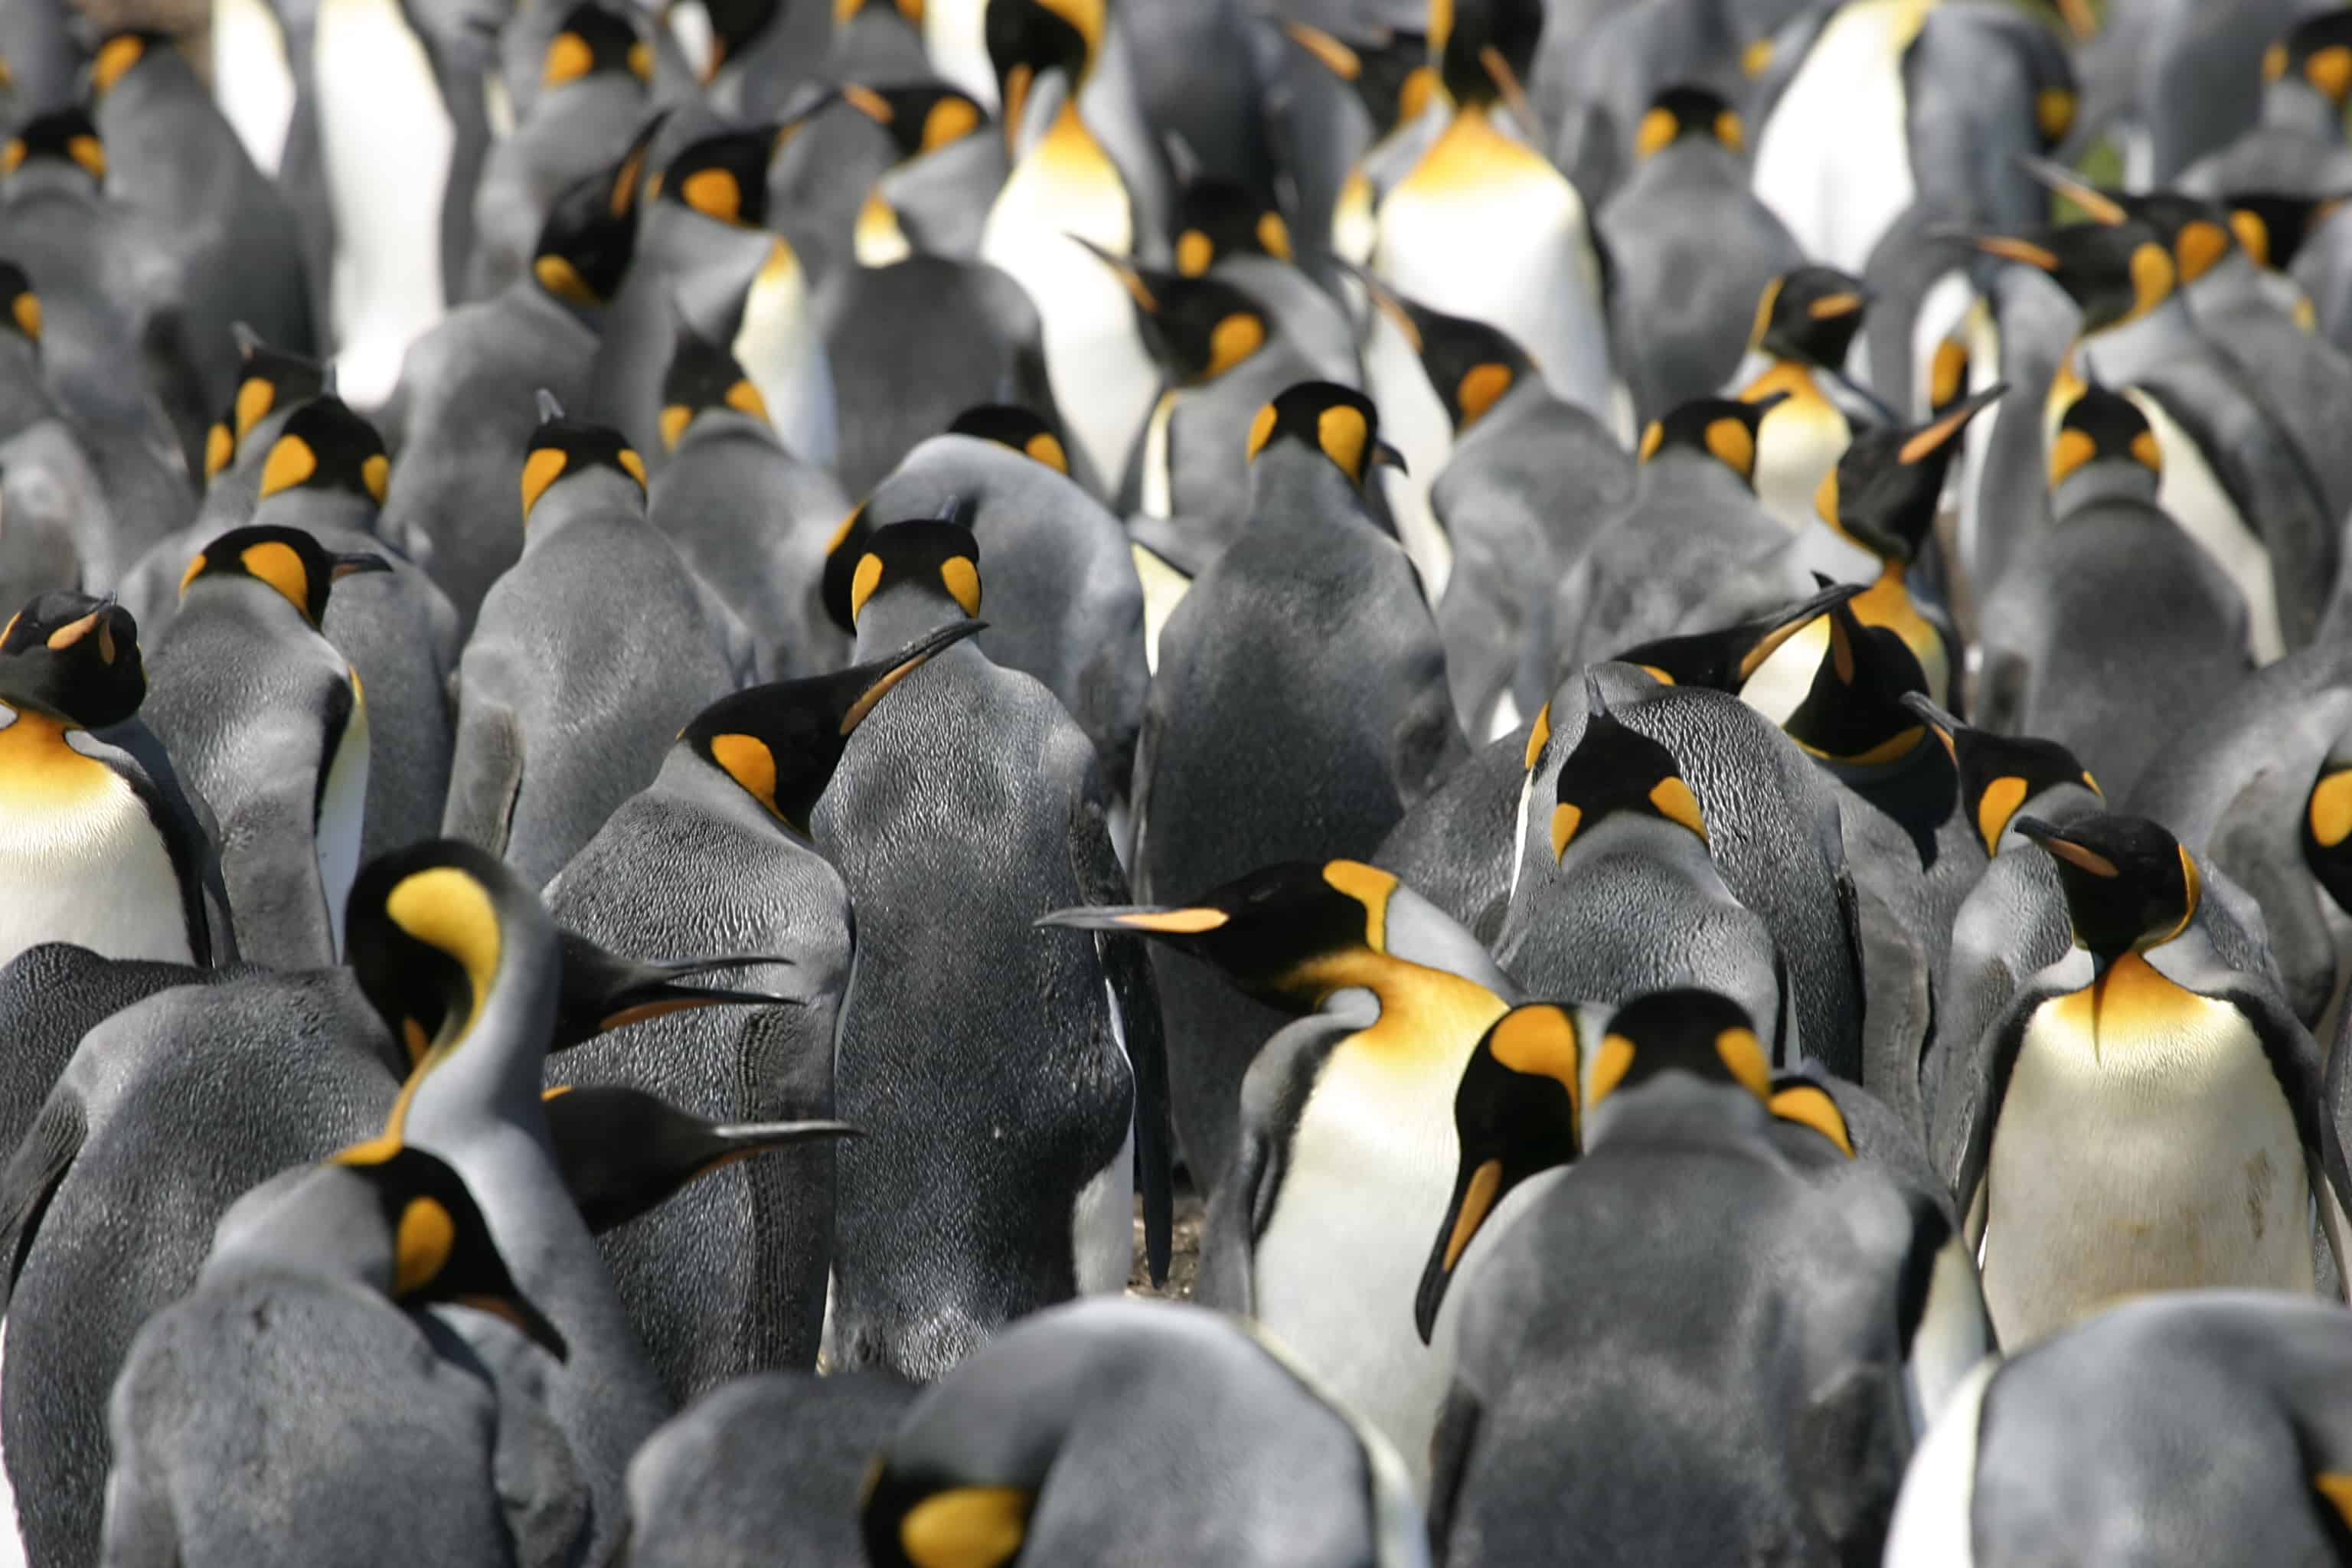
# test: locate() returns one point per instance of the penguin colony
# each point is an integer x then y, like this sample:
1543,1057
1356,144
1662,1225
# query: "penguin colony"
1626,723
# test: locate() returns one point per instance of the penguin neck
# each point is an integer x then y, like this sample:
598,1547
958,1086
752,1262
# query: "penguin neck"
318,512
902,614
1294,490
1887,602
2059,805
52,179
600,494
324,1223
1424,1011
2298,108
687,774
1674,1110
24,396
2104,481
529,297
1681,472
487,1083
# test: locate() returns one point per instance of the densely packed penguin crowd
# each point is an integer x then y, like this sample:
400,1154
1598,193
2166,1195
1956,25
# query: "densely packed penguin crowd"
1270,783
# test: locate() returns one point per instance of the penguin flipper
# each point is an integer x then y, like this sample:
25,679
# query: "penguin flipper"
1895,1001
486,777
32,1178
1451,1445
190,838
1960,1142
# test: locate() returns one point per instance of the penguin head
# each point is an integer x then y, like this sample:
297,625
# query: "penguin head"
1484,49
20,308
1336,423
1720,428
287,561
1853,712
2196,232
704,378
1389,69
589,237
268,381
724,176
1681,1038
2000,775
736,26
75,658
324,447
62,138
581,456
1686,111
1726,660
1515,1117
594,41
2270,226
432,932
1028,38
2114,272
2327,834
1009,424
1470,366
935,561
1198,328
919,116
441,1246
1218,218
123,53
2103,433
2316,53
2130,885
624,1152
1291,934
1616,768
1883,490
780,744
1810,316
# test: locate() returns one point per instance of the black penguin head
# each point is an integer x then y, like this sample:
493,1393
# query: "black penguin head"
1484,49
429,929
1389,69
780,744
2129,885
2000,773
1470,364
1722,428
1027,38
1515,1116
624,1152
1667,1035
62,136
919,116
20,308
1726,660
121,53
589,237
1197,328
590,42
736,26
1218,218
75,658
1009,424
1616,768
1290,934
1883,491
2270,226
2100,425
2317,53
917,1517
268,380
703,376
2114,272
936,559
323,446
1337,421
1688,111
287,560
441,1246
1810,316
561,448
1853,712
725,176
2327,833
2194,231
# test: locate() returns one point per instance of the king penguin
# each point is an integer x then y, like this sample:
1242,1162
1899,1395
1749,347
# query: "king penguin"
269,721
1806,321
100,844
1360,727
2144,1115
588,654
1018,1077
730,1279
1342,1115
2296,144
1019,1454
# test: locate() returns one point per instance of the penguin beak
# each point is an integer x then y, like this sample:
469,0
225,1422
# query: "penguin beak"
358,562
1945,725
1387,457
520,1314
904,663
1931,437
664,988
1137,285
1139,919
1800,616
2095,203
2009,248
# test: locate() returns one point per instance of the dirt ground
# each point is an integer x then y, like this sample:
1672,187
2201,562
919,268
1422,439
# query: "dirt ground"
1184,1256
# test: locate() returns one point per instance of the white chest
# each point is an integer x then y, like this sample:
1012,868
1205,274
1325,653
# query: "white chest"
1833,161
85,865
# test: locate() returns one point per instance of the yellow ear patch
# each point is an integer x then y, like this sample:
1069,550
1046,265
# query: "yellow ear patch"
1046,448
1482,388
254,398
1652,439
846,524
713,193
87,152
1677,805
1477,1201
1947,375
968,1527
1565,820
220,450
675,419
862,584
1345,437
1755,58
1830,307
540,469
2253,235
1609,1067
291,461
751,764
420,1248
1731,131
2331,809
1656,132
1195,252
1825,500
12,156
559,278
744,398
1233,340
961,579
195,569
2053,113
2152,277
1334,57
2330,70
1261,431
2148,450
951,120
1420,87
1275,236
1538,1041
2068,453
631,465
277,565
1733,444
376,474
450,912
1370,886
568,59
1998,804
115,58
2274,62
1811,1107
641,62
1175,923
2198,247
1538,737
1743,1054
